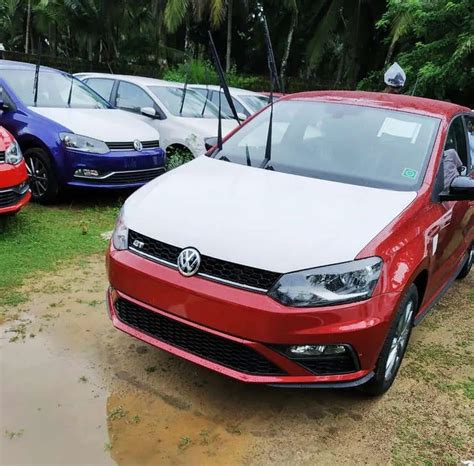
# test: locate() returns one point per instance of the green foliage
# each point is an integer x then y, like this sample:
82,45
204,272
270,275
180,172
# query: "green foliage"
177,157
202,72
436,44
334,44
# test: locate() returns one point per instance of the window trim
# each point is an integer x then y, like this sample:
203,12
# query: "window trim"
437,189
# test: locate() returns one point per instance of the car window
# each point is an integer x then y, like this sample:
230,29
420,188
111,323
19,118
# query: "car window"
389,150
132,98
470,137
255,102
102,86
193,106
55,89
225,105
456,140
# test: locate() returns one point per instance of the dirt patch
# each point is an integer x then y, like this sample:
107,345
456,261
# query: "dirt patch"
76,391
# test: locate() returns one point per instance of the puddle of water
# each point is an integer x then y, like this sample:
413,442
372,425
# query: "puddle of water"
60,418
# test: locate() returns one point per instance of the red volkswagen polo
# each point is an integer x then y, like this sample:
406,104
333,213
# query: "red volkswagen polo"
305,261
14,189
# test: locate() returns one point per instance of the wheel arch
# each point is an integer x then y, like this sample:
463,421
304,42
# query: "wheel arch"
30,142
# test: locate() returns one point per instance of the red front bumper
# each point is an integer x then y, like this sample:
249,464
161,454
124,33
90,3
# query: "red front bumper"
17,206
11,176
250,319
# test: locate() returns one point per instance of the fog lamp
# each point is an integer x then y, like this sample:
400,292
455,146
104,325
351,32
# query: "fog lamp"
86,172
316,350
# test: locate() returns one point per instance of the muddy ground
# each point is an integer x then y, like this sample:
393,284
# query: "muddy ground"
76,391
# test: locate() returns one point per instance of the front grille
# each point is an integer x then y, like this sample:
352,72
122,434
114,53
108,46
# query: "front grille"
238,275
129,145
9,197
129,177
198,342
2,157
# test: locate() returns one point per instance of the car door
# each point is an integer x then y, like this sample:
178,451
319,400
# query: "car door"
455,219
132,98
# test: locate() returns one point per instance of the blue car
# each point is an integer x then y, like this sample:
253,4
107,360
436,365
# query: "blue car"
70,136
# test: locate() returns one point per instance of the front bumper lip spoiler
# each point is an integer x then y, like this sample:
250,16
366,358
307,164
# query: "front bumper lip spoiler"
338,385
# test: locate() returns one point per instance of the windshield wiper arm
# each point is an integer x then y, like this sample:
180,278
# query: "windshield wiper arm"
37,70
185,88
273,80
207,91
70,92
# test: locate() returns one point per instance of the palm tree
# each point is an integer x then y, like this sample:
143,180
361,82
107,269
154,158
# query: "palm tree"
179,11
292,5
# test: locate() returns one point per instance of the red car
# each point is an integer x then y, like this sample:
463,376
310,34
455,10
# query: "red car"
14,188
307,261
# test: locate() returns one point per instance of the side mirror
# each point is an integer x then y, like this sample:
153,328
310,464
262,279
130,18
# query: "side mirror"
149,112
210,143
242,116
461,189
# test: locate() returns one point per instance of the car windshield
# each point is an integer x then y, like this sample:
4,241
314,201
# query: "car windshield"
194,103
254,102
338,142
55,89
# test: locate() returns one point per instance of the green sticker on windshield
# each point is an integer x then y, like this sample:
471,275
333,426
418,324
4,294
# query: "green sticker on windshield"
410,173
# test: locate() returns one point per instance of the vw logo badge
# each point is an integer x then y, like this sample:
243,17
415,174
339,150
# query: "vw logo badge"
137,145
189,261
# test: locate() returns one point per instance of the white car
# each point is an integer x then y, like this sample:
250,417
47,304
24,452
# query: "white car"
246,102
192,129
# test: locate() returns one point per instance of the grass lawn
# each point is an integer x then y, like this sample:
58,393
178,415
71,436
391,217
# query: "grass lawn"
41,237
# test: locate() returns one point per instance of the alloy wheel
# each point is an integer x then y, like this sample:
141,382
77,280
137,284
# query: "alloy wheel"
399,341
38,175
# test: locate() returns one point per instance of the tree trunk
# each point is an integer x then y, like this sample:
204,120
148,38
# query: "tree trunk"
187,37
229,36
289,41
340,66
89,48
28,24
390,52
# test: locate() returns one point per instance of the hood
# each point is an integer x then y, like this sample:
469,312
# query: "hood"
264,219
207,127
109,125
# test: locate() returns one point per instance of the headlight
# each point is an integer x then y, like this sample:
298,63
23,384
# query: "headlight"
333,284
83,143
13,154
120,234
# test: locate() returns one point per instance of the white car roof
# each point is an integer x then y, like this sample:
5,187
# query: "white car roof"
233,90
140,80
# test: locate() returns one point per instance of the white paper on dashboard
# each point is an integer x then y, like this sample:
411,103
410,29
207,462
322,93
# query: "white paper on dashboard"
400,128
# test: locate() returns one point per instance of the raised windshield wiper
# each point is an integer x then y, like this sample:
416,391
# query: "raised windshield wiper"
224,87
273,80
185,88
37,71
70,92
207,91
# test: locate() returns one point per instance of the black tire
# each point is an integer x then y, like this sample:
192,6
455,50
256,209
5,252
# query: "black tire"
468,265
42,177
394,347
